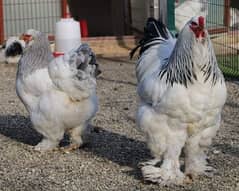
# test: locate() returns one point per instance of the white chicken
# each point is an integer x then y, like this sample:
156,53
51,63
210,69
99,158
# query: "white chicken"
59,93
188,8
185,10
182,93
13,49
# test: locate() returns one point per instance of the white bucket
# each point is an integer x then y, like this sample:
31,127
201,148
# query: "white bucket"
67,35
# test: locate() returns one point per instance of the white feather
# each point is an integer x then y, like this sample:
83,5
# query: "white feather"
56,99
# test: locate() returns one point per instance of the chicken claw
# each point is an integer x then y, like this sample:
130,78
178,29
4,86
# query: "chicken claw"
69,148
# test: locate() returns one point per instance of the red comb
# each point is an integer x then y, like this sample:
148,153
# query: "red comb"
201,21
26,37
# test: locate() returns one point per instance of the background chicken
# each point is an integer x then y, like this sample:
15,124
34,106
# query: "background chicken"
188,8
11,51
59,93
182,92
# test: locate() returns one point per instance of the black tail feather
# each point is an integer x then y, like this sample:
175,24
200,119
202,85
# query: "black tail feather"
154,29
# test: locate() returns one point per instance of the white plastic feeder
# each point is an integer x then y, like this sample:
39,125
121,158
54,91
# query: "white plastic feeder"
67,35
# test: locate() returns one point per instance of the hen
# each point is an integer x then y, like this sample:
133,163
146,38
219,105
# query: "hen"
12,49
59,93
182,93
188,8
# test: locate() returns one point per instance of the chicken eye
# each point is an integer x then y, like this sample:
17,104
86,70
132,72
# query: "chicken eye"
194,23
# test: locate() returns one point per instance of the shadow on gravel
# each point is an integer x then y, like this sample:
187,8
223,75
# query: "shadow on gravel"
19,128
231,78
233,105
118,149
105,144
228,149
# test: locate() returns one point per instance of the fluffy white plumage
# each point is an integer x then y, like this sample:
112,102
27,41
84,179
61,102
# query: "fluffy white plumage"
59,93
182,92
185,10
188,8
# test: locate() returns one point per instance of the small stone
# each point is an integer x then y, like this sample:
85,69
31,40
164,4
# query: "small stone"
216,152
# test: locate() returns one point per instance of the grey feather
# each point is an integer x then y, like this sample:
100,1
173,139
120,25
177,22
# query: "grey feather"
180,66
35,56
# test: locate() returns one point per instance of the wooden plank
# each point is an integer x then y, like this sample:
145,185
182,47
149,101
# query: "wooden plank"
218,30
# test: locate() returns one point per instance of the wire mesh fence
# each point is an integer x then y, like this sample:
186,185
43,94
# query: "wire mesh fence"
19,15
16,16
223,24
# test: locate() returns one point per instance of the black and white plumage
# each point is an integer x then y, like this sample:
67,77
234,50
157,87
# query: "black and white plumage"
59,93
182,93
13,49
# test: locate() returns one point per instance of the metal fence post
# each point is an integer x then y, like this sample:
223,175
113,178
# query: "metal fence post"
167,13
171,15
163,12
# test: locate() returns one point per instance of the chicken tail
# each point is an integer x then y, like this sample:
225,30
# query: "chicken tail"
155,28
155,32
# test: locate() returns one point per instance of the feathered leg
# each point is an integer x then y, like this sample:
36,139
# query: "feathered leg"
165,145
76,138
169,172
46,145
195,148
50,141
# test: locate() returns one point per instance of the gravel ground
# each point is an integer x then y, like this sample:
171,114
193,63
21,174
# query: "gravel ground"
109,161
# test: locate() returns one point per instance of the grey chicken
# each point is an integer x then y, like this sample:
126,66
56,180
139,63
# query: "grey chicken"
59,93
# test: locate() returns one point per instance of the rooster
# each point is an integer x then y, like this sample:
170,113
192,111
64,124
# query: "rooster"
182,93
59,93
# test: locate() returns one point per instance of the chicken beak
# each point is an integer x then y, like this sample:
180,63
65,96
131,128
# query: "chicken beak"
201,22
201,28
26,37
